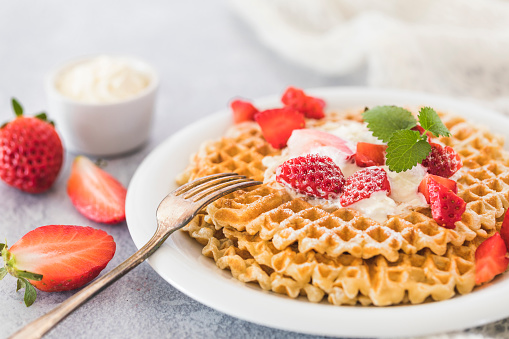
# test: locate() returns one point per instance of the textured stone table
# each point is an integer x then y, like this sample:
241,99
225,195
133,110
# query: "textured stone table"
204,56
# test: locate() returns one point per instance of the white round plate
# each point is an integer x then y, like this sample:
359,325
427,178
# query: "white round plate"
180,262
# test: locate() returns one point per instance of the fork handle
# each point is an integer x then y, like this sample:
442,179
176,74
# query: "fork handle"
38,327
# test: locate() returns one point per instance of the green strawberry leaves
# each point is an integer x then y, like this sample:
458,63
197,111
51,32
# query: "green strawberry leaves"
406,148
30,291
16,106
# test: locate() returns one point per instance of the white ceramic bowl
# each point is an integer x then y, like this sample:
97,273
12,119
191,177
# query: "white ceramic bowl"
103,129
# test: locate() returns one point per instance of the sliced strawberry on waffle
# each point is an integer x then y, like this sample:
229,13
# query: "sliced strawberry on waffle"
363,183
442,161
490,259
312,175
243,111
303,141
424,185
95,193
446,206
296,99
370,154
421,130
278,124
504,230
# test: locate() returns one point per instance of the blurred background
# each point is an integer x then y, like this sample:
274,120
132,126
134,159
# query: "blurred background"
206,53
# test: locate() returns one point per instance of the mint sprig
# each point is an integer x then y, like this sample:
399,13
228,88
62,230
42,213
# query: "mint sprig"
405,147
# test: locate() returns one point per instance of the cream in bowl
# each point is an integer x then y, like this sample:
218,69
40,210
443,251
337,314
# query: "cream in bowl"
103,105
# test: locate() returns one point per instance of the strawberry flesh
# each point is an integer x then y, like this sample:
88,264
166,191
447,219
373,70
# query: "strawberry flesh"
363,183
424,185
278,124
311,107
243,111
302,141
312,175
504,230
446,207
95,193
421,130
490,259
67,256
370,154
442,161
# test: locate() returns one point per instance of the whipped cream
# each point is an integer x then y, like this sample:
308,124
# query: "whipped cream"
102,79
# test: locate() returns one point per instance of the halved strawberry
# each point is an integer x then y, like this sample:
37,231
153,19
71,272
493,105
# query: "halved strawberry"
304,140
278,124
296,99
442,161
424,189
363,183
490,259
313,175
57,258
370,154
446,206
95,193
504,230
243,111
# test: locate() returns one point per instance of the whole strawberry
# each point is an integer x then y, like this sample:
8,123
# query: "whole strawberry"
31,153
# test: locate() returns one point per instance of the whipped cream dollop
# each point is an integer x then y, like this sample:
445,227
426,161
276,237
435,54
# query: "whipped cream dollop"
404,185
103,79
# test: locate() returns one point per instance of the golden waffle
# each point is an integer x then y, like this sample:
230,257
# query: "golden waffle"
290,246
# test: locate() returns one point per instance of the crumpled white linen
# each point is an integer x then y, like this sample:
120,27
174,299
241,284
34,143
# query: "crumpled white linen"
458,48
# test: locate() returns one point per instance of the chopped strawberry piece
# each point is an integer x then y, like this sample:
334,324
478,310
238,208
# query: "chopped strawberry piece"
66,256
442,161
422,130
424,185
296,99
243,111
304,140
370,154
278,124
504,231
446,206
490,259
95,193
313,175
363,183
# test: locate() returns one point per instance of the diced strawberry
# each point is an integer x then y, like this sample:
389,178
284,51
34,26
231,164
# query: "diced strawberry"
95,193
424,189
504,230
313,175
58,258
490,259
446,206
243,111
363,183
370,154
296,99
304,140
278,124
442,161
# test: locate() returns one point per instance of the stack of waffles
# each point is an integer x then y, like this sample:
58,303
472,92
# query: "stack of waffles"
289,246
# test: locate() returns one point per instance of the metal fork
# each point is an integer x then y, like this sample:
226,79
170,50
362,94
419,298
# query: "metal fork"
175,211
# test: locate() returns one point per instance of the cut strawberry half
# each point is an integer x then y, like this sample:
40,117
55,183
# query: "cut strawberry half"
95,193
504,230
490,259
363,183
57,258
303,141
442,161
370,154
296,99
243,111
446,206
278,124
312,175
424,185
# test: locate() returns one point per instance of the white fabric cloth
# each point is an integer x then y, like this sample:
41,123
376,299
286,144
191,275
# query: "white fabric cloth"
457,48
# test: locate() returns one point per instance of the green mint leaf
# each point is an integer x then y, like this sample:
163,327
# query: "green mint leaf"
30,292
431,122
16,106
383,121
405,150
29,275
3,272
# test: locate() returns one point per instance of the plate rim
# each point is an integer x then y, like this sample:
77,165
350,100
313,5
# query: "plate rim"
379,317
